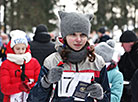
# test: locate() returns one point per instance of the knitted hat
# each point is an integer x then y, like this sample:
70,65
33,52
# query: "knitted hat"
74,22
41,29
18,37
106,50
128,36
41,33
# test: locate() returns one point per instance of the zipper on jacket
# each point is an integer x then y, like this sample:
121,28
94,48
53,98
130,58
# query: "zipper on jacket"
77,70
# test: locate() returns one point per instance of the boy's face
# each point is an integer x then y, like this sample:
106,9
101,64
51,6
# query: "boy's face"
76,41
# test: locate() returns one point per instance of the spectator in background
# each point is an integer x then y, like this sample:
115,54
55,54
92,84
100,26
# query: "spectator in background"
128,62
19,72
3,52
5,40
1,42
106,50
102,36
41,46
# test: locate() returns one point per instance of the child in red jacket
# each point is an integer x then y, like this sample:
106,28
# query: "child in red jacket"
19,73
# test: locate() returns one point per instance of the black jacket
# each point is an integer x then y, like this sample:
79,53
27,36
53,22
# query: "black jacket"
134,85
128,64
104,38
125,65
41,47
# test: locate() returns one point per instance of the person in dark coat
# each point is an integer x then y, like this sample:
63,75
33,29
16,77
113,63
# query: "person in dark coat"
128,61
134,84
41,46
103,37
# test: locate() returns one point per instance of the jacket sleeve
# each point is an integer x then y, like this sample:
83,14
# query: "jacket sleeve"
6,87
37,68
134,84
121,63
117,87
105,84
38,93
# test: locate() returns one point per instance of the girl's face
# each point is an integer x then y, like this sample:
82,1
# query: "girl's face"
127,46
76,41
19,48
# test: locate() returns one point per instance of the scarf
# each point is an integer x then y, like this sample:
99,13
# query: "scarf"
19,58
112,65
75,56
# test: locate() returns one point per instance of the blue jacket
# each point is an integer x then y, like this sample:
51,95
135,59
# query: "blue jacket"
115,78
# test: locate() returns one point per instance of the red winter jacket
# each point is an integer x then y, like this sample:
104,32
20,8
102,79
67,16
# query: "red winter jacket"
10,75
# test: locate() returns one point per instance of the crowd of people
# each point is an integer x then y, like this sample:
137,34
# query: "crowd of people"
77,67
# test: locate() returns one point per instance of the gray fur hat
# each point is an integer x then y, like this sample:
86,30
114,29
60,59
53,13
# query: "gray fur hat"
74,22
106,50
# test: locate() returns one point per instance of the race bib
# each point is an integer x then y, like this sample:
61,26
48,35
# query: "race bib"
69,82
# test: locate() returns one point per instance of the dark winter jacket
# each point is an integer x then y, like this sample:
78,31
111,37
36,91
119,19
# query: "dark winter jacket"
134,85
128,65
104,38
125,65
40,94
41,47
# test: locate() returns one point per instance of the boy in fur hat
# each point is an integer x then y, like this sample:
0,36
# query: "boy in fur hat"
82,76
